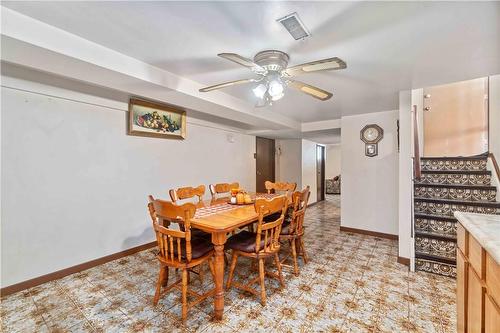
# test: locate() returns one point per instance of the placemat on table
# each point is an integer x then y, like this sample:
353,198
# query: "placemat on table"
214,209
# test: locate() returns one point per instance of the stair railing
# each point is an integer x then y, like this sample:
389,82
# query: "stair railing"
417,173
495,164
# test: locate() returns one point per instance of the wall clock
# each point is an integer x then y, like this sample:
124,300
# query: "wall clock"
371,135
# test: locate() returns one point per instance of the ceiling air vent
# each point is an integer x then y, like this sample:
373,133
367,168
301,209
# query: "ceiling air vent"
294,25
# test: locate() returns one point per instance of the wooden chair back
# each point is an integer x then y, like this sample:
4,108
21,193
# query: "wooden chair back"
222,188
280,187
299,200
270,231
187,193
172,243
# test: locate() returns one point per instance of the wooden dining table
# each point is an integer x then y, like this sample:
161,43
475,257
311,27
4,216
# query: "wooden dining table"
219,218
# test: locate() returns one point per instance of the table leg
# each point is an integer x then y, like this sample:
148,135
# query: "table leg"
219,239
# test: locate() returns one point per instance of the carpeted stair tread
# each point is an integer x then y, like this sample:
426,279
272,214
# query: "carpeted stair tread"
435,236
435,217
458,158
457,172
460,202
435,258
456,186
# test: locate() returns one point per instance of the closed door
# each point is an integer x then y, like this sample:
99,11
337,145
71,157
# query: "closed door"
264,156
320,171
456,119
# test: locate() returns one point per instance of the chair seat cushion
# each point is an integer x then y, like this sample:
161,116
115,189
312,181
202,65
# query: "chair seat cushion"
199,247
275,216
244,241
197,233
285,229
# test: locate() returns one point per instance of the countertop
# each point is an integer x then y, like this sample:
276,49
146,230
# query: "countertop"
485,229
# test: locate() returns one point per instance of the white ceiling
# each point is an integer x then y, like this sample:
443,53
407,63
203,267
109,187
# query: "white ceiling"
388,46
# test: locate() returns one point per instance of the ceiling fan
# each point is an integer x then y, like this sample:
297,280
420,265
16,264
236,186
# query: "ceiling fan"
273,75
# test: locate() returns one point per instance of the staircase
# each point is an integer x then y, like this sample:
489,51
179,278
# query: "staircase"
448,184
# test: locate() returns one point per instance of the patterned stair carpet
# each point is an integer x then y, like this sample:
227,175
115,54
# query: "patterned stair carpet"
352,284
448,185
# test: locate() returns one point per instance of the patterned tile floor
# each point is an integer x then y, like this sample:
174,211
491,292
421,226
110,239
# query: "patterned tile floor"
351,284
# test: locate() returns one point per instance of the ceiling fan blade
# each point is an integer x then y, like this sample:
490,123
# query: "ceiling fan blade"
314,66
310,90
227,84
243,62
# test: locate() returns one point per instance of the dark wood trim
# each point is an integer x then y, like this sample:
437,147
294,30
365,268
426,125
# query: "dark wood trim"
369,233
73,269
404,261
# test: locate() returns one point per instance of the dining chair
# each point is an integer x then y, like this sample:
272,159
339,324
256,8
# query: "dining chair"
293,229
189,192
195,233
279,187
177,249
223,188
260,245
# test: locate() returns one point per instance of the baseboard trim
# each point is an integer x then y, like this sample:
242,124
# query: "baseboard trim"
369,233
312,204
73,269
404,261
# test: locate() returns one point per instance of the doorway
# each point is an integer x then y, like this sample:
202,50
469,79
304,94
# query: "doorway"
265,162
320,172
456,119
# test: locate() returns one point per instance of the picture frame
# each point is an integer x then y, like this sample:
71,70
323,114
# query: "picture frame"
152,119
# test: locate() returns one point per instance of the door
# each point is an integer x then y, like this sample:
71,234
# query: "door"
264,155
320,171
456,119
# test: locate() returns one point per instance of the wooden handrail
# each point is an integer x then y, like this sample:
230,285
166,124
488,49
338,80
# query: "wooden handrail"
495,164
416,147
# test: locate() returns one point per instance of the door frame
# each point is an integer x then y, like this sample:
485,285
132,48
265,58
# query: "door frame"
321,170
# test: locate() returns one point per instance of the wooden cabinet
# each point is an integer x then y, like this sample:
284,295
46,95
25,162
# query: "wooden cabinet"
478,287
475,301
462,272
491,316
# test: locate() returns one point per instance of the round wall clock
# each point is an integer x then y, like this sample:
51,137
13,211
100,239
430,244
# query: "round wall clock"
371,135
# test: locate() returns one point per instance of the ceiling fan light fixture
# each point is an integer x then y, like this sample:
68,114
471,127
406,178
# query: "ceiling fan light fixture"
260,90
277,97
276,88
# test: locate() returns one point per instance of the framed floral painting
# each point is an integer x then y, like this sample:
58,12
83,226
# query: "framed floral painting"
156,120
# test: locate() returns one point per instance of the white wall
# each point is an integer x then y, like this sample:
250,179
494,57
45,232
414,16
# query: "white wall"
405,174
370,184
289,162
309,176
297,163
494,116
75,186
332,165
